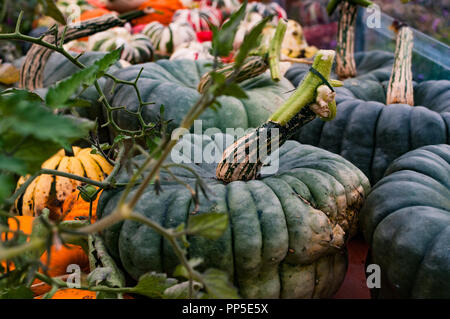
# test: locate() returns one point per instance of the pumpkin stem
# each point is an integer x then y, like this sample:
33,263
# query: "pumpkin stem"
275,50
244,159
400,89
254,65
345,59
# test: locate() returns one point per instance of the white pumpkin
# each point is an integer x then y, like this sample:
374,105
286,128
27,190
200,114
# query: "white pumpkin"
199,18
193,51
166,39
267,9
137,48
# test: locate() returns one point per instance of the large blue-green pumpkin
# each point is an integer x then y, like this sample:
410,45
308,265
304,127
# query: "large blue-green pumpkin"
371,134
287,230
173,84
406,221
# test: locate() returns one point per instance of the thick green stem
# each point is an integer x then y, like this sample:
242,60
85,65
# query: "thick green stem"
244,159
400,89
306,91
275,50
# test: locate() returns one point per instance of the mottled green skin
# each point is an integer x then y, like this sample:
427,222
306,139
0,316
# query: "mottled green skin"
370,134
406,221
174,85
278,243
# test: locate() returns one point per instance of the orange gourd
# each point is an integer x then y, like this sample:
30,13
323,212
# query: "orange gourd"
60,258
72,294
168,7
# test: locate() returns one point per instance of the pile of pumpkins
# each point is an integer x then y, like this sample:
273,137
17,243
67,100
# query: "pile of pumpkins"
177,30
288,230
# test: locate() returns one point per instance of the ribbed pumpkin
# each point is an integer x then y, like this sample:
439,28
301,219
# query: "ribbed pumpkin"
137,48
60,258
287,231
370,133
199,18
174,85
48,191
166,39
406,221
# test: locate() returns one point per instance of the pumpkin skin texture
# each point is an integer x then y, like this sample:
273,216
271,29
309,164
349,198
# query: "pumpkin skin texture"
406,221
174,85
371,134
286,233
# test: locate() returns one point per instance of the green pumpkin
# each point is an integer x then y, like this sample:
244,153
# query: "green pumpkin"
287,230
406,221
371,134
173,84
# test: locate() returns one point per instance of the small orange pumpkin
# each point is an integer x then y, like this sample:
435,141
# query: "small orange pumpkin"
167,7
60,258
51,191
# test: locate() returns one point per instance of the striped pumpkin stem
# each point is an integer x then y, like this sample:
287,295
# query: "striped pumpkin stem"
254,65
243,159
345,59
32,73
400,89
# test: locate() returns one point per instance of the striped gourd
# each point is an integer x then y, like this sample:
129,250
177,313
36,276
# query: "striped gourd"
137,48
268,9
200,18
166,39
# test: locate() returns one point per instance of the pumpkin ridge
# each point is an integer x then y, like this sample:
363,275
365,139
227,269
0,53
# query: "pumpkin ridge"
428,250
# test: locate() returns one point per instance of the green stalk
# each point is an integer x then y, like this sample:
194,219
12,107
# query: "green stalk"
275,50
243,160
306,92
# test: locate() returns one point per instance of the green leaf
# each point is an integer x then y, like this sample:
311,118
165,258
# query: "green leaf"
32,133
222,43
208,225
235,90
251,41
30,96
181,290
10,164
218,286
51,10
20,292
59,95
7,185
107,61
153,285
